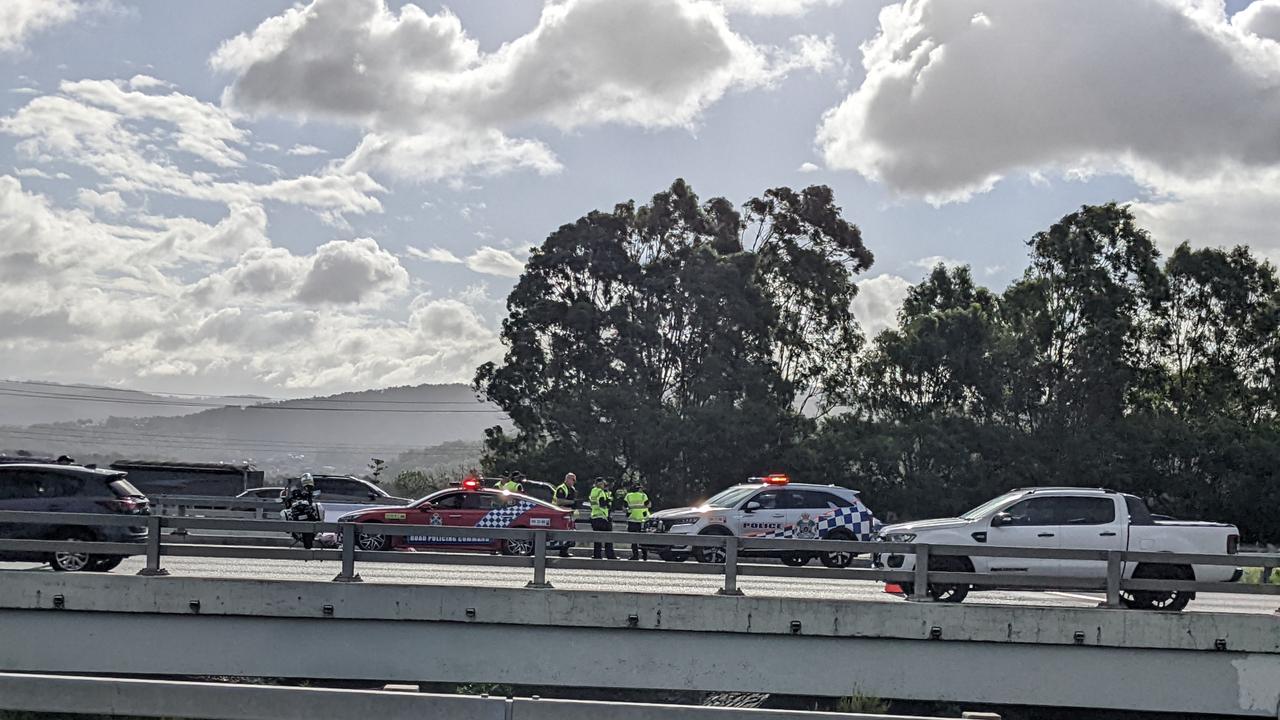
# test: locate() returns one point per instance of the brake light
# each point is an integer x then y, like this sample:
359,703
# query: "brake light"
776,479
127,505
1233,544
471,484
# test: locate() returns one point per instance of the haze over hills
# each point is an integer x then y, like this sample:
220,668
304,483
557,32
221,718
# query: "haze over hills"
334,433
25,402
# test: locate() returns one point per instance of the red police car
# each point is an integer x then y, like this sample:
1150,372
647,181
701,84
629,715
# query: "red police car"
468,505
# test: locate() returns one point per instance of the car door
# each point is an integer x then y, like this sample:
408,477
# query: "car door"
444,509
18,492
1030,523
1090,523
806,508
770,517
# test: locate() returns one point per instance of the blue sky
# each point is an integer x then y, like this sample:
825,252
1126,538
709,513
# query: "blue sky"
206,257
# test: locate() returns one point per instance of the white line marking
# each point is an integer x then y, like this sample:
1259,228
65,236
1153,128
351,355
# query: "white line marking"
1090,598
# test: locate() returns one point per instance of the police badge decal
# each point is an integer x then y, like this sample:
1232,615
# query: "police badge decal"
435,519
807,527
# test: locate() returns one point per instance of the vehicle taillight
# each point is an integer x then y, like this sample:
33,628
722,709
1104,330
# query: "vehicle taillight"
127,505
1233,544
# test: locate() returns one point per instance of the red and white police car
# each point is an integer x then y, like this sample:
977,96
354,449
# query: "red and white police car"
470,504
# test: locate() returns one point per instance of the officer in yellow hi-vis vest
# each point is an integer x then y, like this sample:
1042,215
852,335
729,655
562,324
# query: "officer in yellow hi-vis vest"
512,484
600,501
637,512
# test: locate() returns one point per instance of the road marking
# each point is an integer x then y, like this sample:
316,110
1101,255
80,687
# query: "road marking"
1090,598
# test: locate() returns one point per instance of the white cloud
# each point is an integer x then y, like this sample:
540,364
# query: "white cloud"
306,150
427,92
492,261
1261,18
109,202
352,272
435,254
146,82
878,301
19,19
960,93
444,153
931,261
808,168
791,8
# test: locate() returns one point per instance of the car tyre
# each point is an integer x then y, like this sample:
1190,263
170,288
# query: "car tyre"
372,543
1168,600
671,556
517,546
941,592
714,555
839,558
72,561
796,559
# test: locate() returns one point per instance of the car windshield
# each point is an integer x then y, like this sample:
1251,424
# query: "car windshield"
988,506
731,497
124,488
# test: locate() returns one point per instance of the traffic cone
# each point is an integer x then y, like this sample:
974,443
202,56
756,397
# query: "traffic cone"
893,589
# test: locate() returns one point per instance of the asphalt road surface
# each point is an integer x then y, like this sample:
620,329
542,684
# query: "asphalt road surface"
629,577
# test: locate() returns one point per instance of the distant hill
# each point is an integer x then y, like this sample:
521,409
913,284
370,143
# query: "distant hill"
30,403
334,433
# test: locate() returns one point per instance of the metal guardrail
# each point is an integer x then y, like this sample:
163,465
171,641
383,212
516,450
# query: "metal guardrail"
229,701
921,577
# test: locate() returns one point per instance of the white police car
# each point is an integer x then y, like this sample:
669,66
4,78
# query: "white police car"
769,507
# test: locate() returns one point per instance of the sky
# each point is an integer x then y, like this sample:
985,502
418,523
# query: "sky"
291,199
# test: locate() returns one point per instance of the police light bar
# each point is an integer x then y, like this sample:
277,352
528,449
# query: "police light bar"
774,479
471,484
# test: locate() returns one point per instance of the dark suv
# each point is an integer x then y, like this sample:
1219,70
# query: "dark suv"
38,487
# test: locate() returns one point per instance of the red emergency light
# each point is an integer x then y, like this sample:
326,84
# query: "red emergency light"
471,483
776,479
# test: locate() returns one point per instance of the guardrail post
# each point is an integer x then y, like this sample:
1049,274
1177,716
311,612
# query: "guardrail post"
348,573
539,561
1114,572
181,512
153,568
920,589
730,567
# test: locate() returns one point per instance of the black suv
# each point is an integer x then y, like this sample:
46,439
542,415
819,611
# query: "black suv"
39,487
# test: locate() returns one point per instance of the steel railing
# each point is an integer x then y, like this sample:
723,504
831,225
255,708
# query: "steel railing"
537,558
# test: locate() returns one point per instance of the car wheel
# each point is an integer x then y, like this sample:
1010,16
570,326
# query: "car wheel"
671,556
72,561
941,592
1167,600
105,564
516,546
798,559
372,543
839,558
715,554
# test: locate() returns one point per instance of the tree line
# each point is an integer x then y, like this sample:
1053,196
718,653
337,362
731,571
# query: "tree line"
692,344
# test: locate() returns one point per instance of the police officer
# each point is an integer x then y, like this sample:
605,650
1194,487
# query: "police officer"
637,512
564,497
600,500
513,483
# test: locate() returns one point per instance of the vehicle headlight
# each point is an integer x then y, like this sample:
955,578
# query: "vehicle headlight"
898,537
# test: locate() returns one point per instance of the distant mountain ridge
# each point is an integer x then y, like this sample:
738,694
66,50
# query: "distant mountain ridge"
27,402
333,433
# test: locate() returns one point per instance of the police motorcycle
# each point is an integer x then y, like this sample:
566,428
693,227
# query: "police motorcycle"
300,506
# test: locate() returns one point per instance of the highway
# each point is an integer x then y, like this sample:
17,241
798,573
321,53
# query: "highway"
629,577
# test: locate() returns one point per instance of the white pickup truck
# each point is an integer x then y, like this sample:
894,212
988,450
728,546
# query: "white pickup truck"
1067,518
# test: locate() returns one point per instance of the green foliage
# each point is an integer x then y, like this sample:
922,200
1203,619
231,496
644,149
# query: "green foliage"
668,341
676,341
859,703
417,483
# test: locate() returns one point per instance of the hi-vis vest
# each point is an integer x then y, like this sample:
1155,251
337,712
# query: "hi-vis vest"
563,495
599,503
512,486
637,506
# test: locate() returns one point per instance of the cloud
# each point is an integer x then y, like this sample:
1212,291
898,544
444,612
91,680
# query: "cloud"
808,168
878,301
931,261
792,8
435,254
352,271
109,202
437,106
306,150
492,261
960,93
19,19
445,153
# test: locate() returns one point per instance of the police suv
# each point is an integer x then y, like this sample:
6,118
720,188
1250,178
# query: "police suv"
769,507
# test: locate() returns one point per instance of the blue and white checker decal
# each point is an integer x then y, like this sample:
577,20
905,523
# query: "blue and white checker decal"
505,515
857,519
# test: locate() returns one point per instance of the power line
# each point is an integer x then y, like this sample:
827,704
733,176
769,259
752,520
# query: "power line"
182,403
105,435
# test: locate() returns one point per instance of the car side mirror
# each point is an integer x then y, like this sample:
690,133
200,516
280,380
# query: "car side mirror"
752,506
1001,519
315,494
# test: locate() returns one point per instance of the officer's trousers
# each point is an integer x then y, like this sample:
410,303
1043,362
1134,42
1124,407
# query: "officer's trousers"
637,552
602,525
